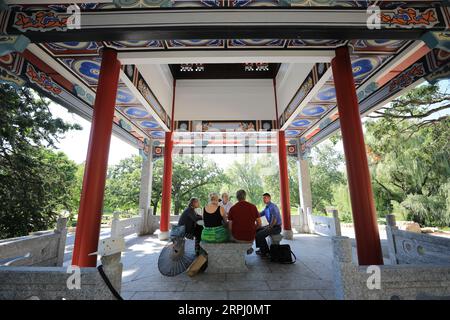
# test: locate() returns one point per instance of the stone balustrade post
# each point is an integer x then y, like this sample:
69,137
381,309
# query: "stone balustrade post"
61,230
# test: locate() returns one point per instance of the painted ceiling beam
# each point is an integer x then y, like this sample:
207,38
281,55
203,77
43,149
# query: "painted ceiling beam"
226,56
371,84
84,112
426,68
311,94
138,94
10,2
259,23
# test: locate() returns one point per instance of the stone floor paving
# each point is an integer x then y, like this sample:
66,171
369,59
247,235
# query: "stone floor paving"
309,278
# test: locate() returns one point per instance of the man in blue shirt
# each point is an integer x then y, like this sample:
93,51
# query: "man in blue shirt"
272,214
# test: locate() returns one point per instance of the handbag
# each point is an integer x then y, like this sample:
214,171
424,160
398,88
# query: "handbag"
199,264
282,253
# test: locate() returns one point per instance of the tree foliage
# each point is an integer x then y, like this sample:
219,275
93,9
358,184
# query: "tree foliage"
35,182
194,176
409,153
123,185
326,174
191,176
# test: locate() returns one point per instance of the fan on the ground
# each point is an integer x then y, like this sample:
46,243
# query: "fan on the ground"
176,256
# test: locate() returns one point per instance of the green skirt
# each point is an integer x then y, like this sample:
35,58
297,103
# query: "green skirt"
215,235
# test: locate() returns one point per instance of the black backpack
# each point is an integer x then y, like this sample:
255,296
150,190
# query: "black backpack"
282,253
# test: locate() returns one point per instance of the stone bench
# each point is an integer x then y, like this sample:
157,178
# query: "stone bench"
275,238
226,257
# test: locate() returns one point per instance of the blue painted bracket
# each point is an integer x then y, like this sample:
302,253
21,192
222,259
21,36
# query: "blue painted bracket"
10,44
439,40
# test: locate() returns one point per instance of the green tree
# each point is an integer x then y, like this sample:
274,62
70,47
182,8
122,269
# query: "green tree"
248,176
409,154
157,184
194,176
326,174
123,185
35,182
272,181
191,176
75,192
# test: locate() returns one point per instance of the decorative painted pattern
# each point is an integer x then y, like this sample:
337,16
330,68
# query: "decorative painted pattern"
40,21
314,110
424,67
409,18
42,80
305,88
10,70
73,48
136,44
311,43
125,97
86,68
84,95
407,77
376,46
136,4
193,44
10,44
363,66
327,94
142,3
136,112
439,61
293,133
256,43
144,89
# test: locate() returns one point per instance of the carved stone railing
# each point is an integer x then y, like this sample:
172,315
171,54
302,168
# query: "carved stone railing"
386,282
407,247
69,283
43,248
144,224
125,227
322,225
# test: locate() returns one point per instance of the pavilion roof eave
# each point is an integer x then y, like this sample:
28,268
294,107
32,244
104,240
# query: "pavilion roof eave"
82,109
431,67
386,69
251,23
333,128
226,56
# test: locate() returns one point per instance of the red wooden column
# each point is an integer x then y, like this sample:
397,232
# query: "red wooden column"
91,202
284,177
284,186
166,188
363,207
167,177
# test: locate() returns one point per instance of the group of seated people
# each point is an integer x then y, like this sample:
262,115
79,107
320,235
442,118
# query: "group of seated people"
223,221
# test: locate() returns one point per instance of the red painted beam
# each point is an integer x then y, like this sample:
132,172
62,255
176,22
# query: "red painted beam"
42,66
361,195
423,50
284,181
91,202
